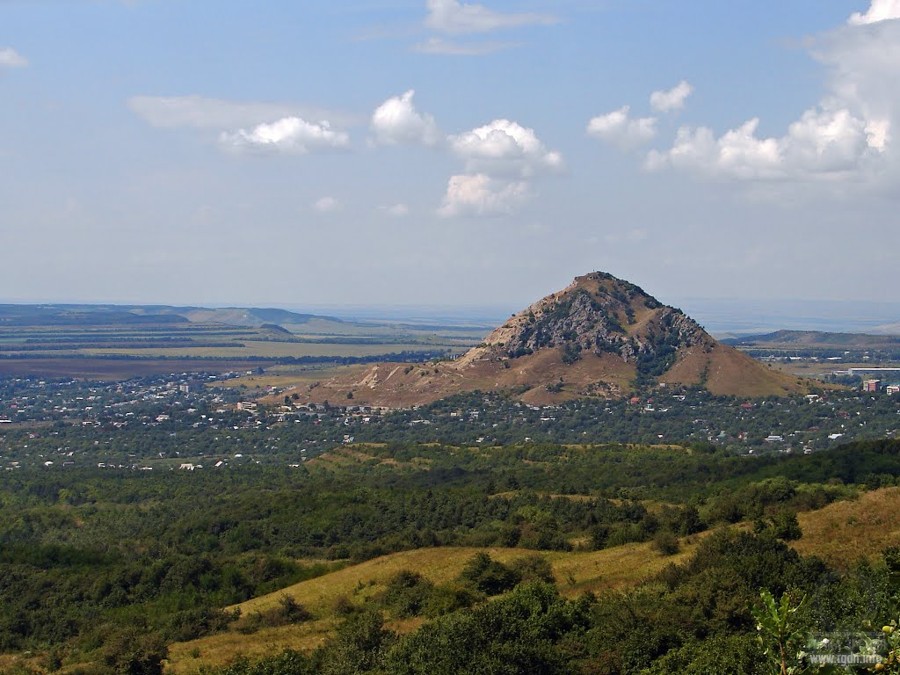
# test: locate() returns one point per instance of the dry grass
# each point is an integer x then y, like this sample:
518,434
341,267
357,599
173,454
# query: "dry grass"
611,569
729,372
846,531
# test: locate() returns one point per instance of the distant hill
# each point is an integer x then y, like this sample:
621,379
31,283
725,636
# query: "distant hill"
90,315
806,338
80,315
600,336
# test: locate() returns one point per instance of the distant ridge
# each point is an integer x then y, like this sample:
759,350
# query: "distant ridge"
85,315
807,338
600,336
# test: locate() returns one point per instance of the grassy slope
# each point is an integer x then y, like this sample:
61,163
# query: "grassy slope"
846,531
615,568
840,533
728,372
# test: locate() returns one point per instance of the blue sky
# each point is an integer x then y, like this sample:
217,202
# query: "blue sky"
447,153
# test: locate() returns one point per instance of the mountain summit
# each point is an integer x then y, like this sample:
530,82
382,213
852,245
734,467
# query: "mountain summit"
599,314
600,336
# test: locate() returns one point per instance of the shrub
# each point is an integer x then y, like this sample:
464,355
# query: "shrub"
533,568
487,575
666,543
407,593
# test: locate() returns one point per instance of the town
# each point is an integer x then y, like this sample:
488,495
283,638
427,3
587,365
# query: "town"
193,421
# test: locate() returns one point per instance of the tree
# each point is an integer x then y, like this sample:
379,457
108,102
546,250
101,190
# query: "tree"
134,652
359,646
487,575
779,631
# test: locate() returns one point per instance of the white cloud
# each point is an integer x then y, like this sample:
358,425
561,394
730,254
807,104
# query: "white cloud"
672,99
822,143
457,18
847,135
879,10
397,121
481,195
738,153
289,134
396,210
504,147
436,45
327,205
10,58
617,127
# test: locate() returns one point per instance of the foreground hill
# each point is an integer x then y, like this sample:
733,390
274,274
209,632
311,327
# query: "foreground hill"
612,569
829,533
600,336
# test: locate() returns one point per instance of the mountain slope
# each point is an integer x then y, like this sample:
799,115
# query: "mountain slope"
600,336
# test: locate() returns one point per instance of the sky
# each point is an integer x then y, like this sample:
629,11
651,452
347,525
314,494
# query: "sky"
442,153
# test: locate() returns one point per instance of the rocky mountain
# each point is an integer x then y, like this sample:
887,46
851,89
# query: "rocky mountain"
600,336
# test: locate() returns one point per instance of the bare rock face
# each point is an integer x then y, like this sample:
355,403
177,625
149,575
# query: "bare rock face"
600,314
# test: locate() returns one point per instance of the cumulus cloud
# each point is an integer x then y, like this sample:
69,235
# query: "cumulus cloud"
482,195
458,18
436,45
10,58
327,205
619,128
672,99
879,10
504,147
289,134
821,143
397,121
847,134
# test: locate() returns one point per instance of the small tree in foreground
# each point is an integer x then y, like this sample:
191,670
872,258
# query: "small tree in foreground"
779,631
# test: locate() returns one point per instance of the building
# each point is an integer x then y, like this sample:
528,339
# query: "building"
871,386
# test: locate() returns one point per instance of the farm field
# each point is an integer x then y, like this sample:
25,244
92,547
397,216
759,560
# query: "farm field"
113,343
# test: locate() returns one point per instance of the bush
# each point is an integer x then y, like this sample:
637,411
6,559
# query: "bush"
451,597
487,575
533,568
785,526
666,543
407,593
288,611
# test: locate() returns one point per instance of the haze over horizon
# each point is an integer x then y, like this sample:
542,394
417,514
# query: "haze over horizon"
434,152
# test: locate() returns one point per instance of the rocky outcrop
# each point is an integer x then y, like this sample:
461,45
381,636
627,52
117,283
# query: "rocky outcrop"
599,314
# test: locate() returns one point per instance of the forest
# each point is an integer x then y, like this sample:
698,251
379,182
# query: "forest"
104,571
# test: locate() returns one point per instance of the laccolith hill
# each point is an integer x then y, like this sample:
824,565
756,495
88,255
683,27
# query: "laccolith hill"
600,336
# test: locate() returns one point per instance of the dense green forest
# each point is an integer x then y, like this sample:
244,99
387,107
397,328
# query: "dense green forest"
110,567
